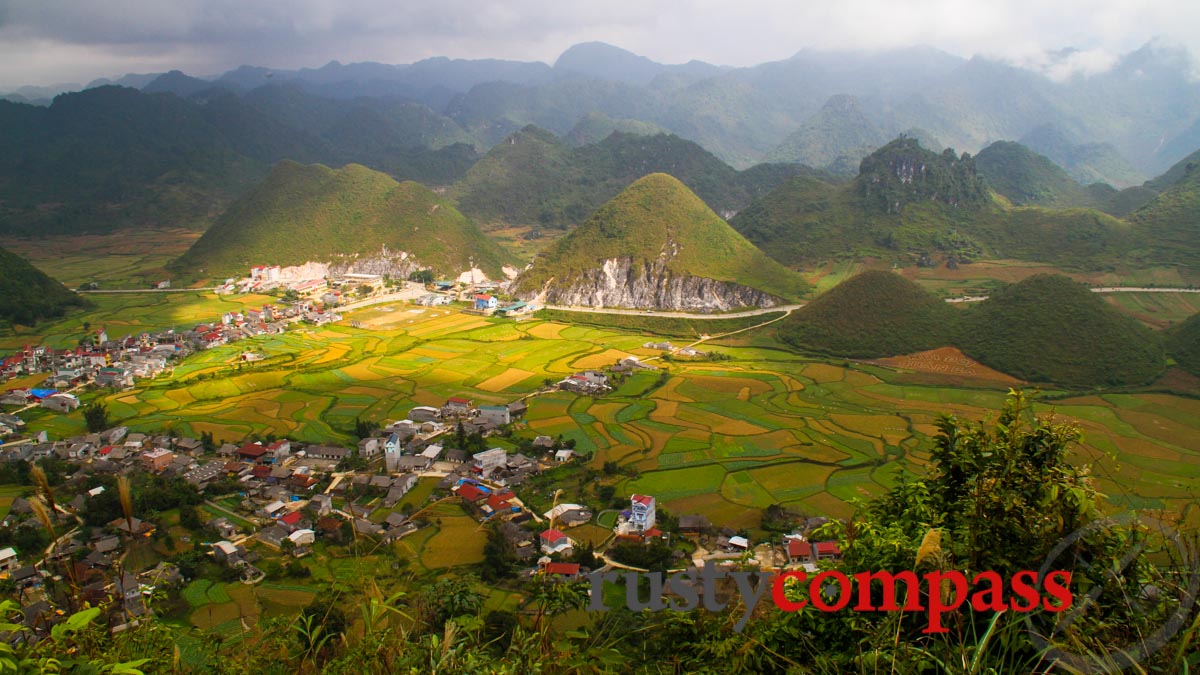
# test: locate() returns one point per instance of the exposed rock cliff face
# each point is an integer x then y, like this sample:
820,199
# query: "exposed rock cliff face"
396,264
902,173
620,283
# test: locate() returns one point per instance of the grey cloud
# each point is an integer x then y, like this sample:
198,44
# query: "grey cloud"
52,38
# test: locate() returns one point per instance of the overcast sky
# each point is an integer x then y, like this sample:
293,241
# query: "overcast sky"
53,41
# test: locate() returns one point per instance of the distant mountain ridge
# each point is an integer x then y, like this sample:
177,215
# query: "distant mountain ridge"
1135,119
533,177
913,206
113,157
428,121
837,138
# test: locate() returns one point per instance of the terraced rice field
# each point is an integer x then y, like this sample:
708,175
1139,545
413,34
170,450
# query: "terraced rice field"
721,438
458,541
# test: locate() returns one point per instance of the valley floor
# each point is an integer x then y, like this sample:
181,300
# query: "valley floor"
723,438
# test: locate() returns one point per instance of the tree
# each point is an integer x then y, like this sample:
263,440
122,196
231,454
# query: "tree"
421,276
1005,490
365,428
189,518
96,416
448,598
499,555
297,570
997,498
585,556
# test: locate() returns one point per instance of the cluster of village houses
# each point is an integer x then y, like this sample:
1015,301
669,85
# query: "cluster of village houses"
289,495
117,362
106,362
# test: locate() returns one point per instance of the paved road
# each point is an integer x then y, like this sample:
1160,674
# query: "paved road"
151,290
1105,289
676,315
1141,289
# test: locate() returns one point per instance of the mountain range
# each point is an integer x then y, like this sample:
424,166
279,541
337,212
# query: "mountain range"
1133,120
908,203
534,177
177,149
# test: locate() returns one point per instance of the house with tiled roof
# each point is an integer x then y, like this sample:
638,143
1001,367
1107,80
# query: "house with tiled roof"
253,453
568,571
554,541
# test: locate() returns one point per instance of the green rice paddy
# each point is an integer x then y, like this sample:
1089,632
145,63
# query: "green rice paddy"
721,438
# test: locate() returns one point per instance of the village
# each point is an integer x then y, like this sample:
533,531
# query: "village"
106,361
251,510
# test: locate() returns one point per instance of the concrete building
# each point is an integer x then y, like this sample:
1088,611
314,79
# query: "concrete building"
8,561
641,512
489,460
496,414
156,461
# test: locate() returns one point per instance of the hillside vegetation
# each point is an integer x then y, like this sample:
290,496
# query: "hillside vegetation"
874,314
1049,328
1166,227
596,126
1183,344
27,295
910,205
535,178
902,173
306,213
1176,173
1026,178
113,157
658,220
1046,329
835,139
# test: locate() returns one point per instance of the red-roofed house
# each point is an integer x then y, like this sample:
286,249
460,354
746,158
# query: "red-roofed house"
500,502
554,541
568,570
485,303
799,551
253,453
828,550
456,406
471,493
294,521
641,512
